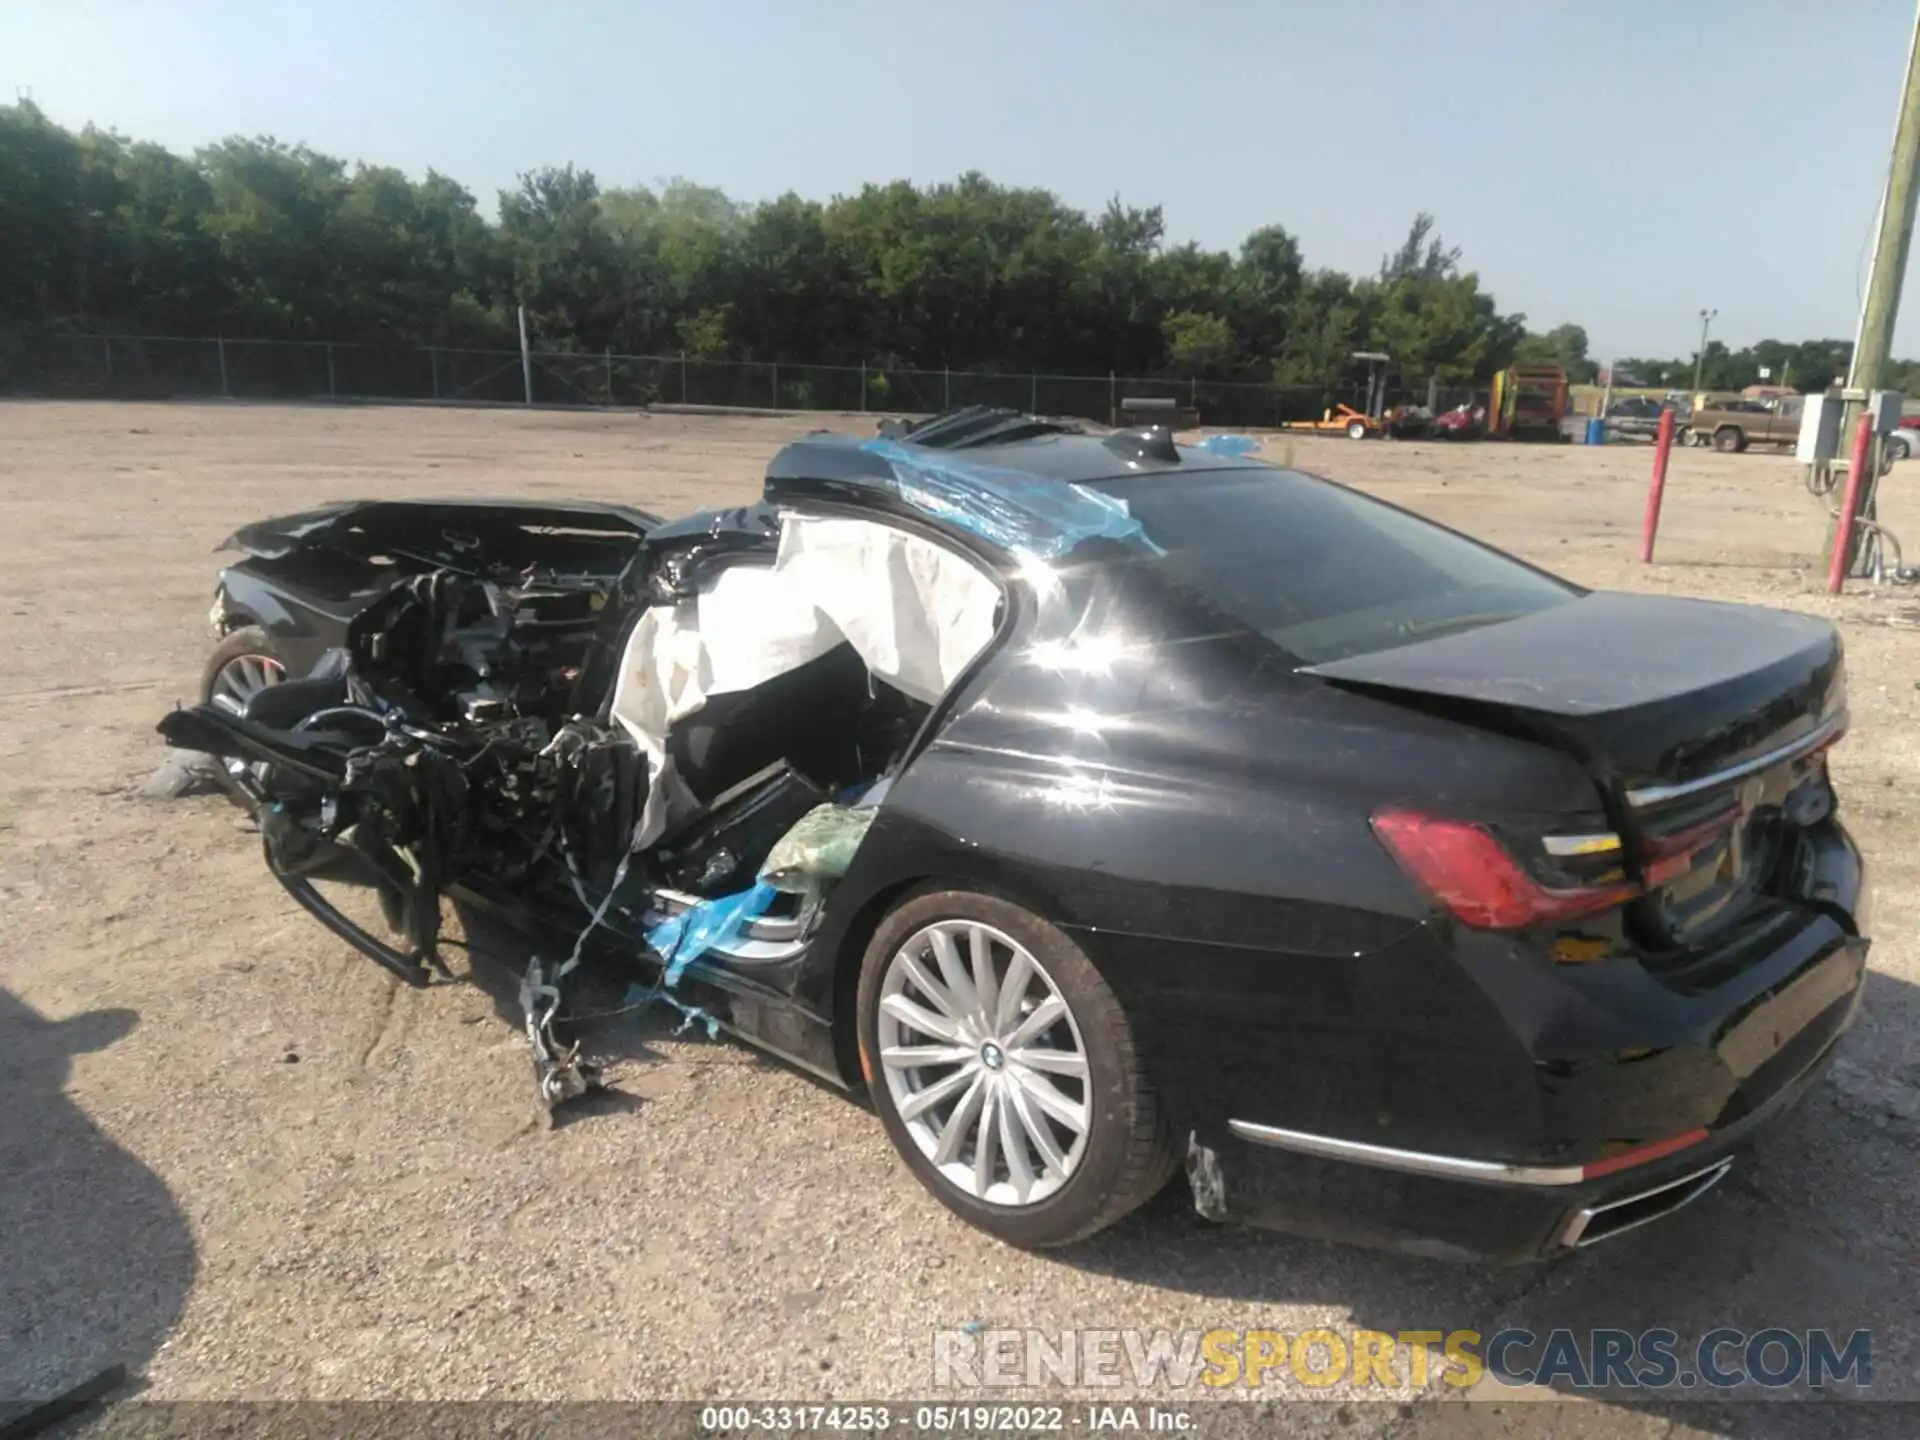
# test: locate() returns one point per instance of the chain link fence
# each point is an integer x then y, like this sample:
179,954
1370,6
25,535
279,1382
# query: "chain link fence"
65,364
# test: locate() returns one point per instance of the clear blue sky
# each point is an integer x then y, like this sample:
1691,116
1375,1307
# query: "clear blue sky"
1617,164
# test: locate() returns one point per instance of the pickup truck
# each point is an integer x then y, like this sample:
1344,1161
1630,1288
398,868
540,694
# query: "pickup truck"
1730,426
1638,416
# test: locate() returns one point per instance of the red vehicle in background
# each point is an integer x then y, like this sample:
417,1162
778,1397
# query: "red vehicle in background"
1463,422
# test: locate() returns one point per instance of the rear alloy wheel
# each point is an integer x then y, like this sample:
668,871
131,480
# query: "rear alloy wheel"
1005,1072
241,666
1356,431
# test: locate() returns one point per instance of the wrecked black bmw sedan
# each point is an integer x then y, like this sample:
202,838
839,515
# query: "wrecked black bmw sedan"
1098,804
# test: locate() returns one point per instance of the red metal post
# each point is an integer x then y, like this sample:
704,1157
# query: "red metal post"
1850,505
1662,444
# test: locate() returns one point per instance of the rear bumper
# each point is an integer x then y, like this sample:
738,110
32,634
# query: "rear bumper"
1459,1207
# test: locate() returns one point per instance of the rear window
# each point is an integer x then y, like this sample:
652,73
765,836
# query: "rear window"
1322,571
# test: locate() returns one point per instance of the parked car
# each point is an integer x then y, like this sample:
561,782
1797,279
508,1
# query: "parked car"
1903,442
1098,805
1635,415
1409,422
1465,421
1730,426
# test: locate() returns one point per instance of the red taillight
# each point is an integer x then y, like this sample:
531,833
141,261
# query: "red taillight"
1673,855
1463,867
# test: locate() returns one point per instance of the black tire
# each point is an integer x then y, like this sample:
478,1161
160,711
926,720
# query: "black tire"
248,640
1729,439
1356,430
1129,1154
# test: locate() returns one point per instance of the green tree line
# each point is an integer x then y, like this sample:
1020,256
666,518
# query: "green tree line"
253,238
259,239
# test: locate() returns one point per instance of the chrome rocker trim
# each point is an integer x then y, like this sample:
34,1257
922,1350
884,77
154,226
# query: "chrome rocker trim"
1414,1162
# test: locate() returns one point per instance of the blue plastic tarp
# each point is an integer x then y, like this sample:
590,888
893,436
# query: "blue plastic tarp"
684,938
639,997
1229,445
1014,510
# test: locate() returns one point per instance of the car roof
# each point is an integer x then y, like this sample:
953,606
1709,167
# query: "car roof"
1022,482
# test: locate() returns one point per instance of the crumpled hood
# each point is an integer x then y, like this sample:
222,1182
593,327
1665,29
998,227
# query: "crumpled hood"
282,535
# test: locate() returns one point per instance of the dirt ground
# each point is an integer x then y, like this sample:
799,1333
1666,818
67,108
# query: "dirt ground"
238,1158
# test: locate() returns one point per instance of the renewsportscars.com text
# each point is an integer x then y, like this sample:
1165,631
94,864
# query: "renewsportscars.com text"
1598,1359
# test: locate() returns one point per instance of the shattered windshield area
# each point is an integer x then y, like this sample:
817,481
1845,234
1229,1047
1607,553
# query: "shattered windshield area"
1323,571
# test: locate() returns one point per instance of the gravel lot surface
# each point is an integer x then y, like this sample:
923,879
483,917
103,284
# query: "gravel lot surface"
239,1159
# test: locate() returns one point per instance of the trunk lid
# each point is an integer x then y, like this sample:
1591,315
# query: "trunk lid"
1704,726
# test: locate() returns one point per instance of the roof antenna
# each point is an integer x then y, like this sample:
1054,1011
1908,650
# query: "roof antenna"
1154,442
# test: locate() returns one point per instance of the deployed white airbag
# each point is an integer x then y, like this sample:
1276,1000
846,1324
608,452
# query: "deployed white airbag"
916,613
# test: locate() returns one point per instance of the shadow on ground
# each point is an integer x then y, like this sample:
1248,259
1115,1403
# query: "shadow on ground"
96,1257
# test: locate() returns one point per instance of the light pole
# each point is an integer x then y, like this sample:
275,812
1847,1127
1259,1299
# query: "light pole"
1700,357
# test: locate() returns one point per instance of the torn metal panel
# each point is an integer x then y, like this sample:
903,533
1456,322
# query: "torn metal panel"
681,551
559,1072
1204,1178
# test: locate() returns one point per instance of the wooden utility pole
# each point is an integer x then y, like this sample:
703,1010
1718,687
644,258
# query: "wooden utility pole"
1873,341
1700,355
